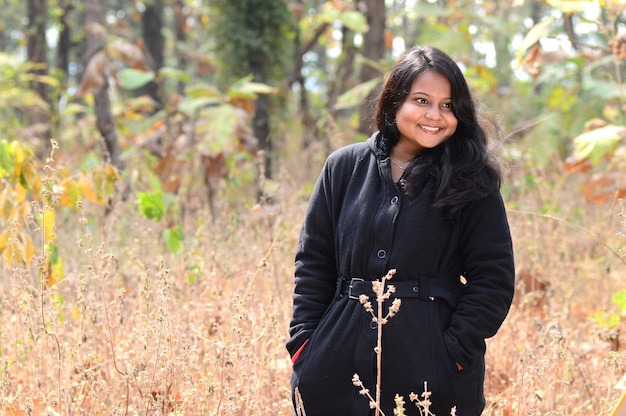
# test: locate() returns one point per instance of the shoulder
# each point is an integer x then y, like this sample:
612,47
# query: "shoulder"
354,152
351,151
348,156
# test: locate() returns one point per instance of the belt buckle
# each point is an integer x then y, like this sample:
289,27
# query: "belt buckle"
350,295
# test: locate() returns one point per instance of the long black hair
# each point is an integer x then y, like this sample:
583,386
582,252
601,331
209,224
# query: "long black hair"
462,167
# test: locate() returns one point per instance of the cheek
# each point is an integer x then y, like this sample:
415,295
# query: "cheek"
453,124
404,115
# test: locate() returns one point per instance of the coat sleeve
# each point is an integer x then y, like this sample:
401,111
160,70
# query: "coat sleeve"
315,263
487,251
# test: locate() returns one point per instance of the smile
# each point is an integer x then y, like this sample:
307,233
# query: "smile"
431,129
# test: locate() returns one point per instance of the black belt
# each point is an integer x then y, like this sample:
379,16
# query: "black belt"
355,287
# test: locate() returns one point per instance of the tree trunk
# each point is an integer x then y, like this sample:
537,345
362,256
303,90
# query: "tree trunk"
36,52
152,22
104,116
65,39
261,119
261,126
374,50
181,37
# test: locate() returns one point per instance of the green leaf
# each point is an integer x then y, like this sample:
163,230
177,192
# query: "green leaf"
173,238
245,88
202,90
355,21
151,205
131,79
190,106
597,143
175,74
24,99
194,273
6,159
355,96
562,99
605,320
619,300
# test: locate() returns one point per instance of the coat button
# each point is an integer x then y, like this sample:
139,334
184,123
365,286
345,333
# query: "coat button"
394,200
381,254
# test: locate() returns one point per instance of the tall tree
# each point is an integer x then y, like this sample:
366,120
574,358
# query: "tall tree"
95,43
373,51
65,38
253,37
152,23
37,54
180,35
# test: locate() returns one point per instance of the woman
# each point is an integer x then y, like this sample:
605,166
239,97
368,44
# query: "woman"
421,196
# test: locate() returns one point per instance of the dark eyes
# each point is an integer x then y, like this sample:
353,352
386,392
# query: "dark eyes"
424,101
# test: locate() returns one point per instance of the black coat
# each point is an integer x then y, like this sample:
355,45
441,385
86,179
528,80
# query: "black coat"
360,225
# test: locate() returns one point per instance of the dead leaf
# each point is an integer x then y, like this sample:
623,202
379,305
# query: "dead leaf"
94,78
532,62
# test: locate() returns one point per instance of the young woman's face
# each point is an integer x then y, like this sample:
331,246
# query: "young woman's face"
426,119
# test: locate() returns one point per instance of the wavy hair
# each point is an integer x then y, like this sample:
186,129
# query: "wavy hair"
462,167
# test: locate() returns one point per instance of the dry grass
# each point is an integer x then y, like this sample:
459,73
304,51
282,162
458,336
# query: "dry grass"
135,330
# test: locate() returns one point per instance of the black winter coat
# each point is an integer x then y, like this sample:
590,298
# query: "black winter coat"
360,225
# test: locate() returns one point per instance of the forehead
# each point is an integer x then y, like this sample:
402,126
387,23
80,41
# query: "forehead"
433,84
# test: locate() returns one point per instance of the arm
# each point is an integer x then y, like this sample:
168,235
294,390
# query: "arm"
315,263
487,253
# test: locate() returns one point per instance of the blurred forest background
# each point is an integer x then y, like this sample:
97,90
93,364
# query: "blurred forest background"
156,158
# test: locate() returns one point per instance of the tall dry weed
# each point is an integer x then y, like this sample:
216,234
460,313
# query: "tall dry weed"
133,329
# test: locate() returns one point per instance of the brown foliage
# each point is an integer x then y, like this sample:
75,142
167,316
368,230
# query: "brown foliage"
180,158
94,77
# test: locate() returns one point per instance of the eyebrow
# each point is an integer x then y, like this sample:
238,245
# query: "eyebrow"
426,94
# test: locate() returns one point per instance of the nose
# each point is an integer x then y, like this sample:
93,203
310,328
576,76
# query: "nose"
434,113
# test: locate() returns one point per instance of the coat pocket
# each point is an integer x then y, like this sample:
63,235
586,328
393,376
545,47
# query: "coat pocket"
295,357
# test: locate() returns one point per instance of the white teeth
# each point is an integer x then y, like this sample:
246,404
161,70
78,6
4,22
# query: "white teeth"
430,128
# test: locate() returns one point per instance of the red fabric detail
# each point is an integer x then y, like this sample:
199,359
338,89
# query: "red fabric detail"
297,354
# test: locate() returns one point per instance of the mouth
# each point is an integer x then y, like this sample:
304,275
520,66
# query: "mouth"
431,129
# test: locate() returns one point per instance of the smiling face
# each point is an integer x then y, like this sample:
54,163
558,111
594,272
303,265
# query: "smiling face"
425,119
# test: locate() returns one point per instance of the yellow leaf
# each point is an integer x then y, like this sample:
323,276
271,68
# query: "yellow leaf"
68,197
6,201
112,176
29,175
597,143
111,173
533,36
14,252
21,193
19,155
29,249
48,220
570,6
4,237
56,273
75,313
54,265
86,189
36,188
